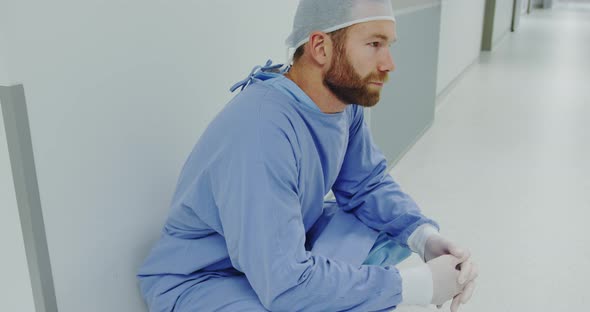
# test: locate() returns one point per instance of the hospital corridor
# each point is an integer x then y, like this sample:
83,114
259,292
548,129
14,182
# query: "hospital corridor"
505,166
132,178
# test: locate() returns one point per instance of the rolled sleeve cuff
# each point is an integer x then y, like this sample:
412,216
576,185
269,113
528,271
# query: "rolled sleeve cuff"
417,241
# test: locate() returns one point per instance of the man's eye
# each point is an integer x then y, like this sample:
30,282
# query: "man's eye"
375,44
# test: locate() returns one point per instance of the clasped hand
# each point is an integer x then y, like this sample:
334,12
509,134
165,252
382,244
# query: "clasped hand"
453,272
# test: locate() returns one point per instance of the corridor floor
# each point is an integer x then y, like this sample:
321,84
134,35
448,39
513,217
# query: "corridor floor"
505,168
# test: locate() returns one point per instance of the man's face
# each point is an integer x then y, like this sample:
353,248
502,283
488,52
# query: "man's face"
361,63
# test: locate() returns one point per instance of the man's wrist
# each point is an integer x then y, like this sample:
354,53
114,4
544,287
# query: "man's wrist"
417,285
417,241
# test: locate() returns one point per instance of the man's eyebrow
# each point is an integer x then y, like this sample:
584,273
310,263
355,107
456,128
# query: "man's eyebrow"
383,37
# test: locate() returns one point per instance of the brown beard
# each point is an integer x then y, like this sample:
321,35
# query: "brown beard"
347,85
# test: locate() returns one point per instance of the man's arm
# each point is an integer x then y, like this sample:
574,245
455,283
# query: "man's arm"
365,188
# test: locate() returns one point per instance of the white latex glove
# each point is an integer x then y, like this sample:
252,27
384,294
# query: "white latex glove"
445,277
463,297
469,273
437,246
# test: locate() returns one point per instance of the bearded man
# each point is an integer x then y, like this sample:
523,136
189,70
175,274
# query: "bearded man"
249,227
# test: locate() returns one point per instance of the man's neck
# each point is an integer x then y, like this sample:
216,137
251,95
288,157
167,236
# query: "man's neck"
311,82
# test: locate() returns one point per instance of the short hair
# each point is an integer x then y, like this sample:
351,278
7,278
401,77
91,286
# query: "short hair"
299,53
338,37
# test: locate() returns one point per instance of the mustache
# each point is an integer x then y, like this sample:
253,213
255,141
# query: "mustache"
378,77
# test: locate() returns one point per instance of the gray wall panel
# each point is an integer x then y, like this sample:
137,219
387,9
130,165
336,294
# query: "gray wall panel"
20,150
407,104
16,293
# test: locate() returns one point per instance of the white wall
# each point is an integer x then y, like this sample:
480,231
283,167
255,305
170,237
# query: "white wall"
3,68
460,38
4,75
6,26
118,92
502,19
16,293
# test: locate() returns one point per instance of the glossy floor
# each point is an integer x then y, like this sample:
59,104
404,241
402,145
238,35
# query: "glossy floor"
505,168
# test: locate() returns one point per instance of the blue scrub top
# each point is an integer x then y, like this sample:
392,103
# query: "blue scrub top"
254,185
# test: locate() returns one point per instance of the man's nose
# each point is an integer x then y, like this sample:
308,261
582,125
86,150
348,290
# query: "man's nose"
387,64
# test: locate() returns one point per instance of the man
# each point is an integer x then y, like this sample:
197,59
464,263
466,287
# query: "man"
249,229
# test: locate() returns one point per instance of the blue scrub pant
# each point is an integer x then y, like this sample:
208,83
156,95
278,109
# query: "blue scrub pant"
336,234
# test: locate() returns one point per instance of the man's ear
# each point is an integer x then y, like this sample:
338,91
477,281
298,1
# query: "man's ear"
320,47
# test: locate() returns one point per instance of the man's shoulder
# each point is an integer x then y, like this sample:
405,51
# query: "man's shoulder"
255,109
262,103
